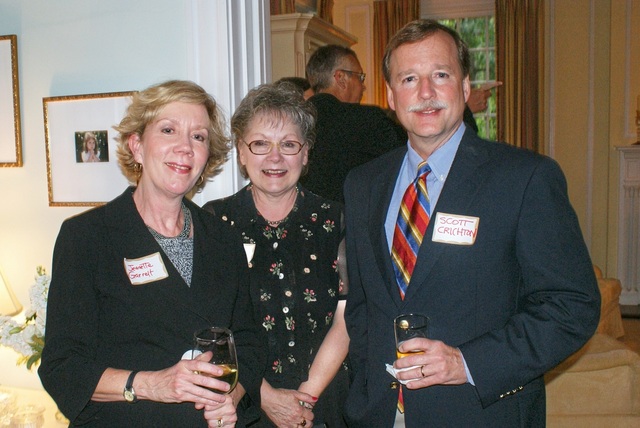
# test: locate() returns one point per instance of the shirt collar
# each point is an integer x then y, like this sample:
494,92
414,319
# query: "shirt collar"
440,161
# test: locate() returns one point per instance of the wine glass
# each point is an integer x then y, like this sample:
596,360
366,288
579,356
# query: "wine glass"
219,341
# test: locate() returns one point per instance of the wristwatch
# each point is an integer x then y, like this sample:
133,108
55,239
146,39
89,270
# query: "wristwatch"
128,393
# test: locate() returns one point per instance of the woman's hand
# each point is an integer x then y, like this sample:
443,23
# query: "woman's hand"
285,407
188,380
222,414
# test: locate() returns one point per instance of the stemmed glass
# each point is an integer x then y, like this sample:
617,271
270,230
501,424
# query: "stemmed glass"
219,341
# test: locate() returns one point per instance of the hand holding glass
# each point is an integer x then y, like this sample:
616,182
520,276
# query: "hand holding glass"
219,341
408,327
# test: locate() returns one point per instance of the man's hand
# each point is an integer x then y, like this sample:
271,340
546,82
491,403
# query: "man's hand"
434,362
478,97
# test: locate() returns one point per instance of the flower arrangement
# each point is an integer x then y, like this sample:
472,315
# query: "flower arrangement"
27,338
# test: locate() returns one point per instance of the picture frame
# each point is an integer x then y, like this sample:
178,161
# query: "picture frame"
80,173
10,132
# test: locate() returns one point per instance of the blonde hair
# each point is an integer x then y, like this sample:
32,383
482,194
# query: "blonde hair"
145,107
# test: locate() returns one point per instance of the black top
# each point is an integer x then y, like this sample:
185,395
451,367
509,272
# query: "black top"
348,135
295,286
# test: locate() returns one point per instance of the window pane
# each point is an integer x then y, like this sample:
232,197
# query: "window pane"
479,35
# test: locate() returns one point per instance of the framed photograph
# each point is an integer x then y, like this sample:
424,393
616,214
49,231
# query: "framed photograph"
82,166
10,140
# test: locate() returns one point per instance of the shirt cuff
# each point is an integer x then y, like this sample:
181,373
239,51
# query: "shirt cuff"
466,370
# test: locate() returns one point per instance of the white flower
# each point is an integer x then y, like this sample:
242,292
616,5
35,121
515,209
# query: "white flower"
27,339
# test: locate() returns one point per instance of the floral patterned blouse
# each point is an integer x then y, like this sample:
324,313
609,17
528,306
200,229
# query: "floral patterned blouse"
294,277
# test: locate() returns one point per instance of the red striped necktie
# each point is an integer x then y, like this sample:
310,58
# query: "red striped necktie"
413,219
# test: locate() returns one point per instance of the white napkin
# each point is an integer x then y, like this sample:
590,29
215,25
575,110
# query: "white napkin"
393,372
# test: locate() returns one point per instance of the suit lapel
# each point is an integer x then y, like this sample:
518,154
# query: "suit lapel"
464,180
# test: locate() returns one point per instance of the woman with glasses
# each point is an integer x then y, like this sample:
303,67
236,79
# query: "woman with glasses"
292,239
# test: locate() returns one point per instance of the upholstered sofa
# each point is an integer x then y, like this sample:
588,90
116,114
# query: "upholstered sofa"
598,386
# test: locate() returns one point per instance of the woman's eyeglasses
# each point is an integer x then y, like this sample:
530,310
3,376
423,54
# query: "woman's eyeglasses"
263,147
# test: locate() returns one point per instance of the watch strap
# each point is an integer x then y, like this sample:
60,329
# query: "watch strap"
128,389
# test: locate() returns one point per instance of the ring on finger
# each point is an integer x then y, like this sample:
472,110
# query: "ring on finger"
303,423
421,372
220,423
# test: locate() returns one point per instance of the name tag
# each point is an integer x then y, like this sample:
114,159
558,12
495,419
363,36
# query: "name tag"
249,250
455,229
145,269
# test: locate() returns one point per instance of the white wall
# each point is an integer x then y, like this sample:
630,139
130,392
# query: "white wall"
69,47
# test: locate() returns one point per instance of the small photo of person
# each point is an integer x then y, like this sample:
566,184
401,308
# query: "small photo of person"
92,146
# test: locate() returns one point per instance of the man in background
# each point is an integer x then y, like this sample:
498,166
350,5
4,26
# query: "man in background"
348,134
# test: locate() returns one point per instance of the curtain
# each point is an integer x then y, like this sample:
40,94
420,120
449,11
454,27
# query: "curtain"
279,7
325,10
388,17
519,51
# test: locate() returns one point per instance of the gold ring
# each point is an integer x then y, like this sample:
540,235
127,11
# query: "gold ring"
303,423
421,372
220,423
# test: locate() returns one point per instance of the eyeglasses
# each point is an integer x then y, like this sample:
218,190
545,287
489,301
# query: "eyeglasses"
361,76
263,147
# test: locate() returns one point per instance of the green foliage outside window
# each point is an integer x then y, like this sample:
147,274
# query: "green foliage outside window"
479,35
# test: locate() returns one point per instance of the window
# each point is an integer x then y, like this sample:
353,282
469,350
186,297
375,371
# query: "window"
479,35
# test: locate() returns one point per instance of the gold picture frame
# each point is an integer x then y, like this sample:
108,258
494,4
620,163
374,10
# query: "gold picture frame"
80,174
10,133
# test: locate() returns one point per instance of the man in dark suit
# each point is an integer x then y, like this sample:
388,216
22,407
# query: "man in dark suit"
503,272
348,134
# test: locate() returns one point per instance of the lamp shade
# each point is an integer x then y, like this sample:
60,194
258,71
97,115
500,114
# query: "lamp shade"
9,303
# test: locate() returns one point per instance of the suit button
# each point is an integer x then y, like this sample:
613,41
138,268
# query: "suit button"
394,385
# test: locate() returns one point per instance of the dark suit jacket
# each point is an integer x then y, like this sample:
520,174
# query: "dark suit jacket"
516,302
96,319
347,135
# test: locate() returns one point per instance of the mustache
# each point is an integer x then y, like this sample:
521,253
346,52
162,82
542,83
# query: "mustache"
428,105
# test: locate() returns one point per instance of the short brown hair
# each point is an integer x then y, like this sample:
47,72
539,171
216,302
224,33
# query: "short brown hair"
418,30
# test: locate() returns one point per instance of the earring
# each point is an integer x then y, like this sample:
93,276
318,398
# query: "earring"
137,168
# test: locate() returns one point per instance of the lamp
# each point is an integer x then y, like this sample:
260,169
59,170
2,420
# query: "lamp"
9,303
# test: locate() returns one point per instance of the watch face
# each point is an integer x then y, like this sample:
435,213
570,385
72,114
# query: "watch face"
129,395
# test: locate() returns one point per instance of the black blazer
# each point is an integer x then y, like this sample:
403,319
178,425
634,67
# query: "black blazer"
516,302
347,135
96,319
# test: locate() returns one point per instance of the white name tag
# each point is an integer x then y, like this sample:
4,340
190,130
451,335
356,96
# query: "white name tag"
145,269
455,229
249,250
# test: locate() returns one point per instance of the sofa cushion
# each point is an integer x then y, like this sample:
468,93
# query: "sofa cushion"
610,316
602,378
